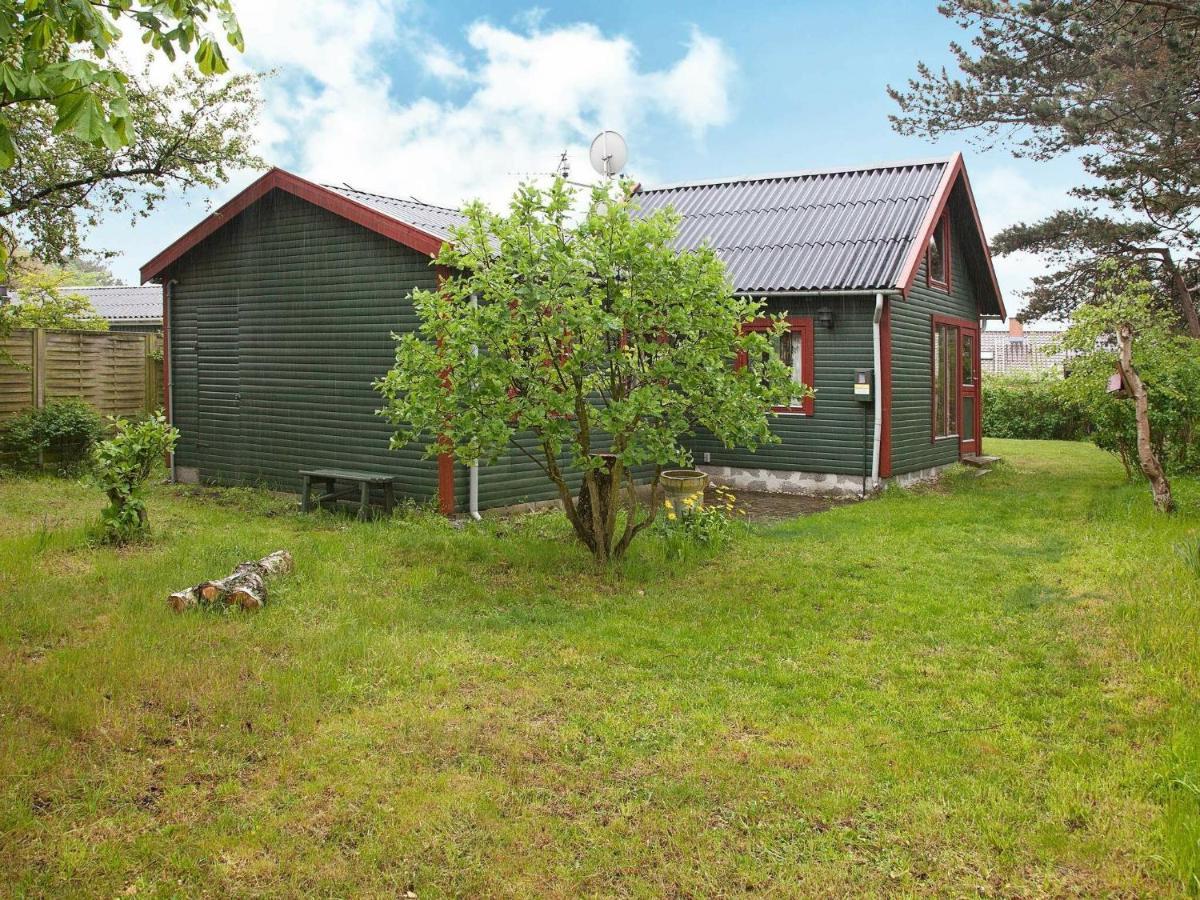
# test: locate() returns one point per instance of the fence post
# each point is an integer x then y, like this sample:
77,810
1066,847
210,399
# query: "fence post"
38,336
147,384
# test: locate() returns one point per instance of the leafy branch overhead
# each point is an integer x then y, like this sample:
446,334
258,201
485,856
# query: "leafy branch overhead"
53,52
1115,82
589,346
81,136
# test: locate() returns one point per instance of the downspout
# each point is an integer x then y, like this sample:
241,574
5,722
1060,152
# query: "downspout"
473,472
169,357
877,443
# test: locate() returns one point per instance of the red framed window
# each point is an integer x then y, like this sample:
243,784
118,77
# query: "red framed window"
795,348
946,379
937,255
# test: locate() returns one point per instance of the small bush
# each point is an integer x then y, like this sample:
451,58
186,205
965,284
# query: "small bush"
1030,408
62,432
121,466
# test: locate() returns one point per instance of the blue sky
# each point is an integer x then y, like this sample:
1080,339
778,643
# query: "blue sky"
450,101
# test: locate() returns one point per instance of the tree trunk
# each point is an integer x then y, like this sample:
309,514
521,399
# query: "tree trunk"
245,587
1159,486
594,507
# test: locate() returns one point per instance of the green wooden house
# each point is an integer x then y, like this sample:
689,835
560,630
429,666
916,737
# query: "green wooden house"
278,311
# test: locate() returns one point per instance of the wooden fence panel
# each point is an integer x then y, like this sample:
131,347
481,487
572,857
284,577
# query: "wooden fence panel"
16,381
117,373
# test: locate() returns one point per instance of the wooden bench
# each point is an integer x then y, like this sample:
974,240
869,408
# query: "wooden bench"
360,484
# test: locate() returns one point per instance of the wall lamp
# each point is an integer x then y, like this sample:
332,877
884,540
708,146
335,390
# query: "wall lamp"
824,317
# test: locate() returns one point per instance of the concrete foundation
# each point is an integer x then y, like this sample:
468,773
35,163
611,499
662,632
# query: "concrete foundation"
783,481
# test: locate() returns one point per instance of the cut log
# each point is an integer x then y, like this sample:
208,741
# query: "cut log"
246,586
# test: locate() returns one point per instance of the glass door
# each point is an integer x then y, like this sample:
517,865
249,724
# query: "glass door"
969,390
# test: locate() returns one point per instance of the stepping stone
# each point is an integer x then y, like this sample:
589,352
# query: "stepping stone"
980,462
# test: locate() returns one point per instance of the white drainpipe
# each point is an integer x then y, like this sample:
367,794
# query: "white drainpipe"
877,444
170,357
473,472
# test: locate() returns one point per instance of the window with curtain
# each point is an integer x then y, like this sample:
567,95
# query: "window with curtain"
937,255
794,348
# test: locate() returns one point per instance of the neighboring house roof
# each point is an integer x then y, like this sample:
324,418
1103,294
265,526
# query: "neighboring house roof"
846,229
122,302
1021,349
118,303
413,224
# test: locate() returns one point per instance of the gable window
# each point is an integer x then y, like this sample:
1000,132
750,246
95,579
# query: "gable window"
795,348
937,255
945,380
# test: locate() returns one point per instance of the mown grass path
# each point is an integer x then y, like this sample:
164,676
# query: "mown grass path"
990,687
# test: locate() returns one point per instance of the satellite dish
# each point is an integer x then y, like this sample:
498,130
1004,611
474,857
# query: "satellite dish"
608,153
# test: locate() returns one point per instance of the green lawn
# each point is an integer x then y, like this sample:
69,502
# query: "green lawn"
986,688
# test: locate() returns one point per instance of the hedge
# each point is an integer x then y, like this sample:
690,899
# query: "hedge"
1030,407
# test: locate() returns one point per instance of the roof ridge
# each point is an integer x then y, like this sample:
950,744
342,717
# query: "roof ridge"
803,173
411,200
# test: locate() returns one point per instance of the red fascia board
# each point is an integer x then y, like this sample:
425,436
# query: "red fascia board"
908,273
369,218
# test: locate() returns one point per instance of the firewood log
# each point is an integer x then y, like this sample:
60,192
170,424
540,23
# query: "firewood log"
246,586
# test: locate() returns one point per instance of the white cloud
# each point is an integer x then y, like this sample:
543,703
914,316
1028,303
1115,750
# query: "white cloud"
441,63
1006,197
334,113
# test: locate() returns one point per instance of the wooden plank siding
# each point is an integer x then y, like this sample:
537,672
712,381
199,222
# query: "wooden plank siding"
831,439
912,367
280,322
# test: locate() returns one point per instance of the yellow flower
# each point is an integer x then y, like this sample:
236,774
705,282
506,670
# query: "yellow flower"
671,516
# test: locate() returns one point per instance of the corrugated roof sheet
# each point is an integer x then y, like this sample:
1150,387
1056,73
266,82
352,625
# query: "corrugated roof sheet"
838,230
119,302
435,220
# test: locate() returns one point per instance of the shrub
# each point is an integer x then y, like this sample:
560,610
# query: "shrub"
63,431
1170,369
1030,407
120,467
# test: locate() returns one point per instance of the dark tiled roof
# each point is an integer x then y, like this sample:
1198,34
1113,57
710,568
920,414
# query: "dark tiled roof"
121,302
435,220
837,230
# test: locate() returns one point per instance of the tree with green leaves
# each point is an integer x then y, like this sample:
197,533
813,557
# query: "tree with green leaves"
591,346
1120,330
43,302
80,135
192,132
1115,82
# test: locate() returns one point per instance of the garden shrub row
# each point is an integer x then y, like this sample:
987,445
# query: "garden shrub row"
1030,408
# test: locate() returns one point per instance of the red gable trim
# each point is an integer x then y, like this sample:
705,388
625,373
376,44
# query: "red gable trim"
365,216
933,215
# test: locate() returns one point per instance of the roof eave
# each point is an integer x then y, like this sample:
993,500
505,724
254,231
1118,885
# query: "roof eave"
339,204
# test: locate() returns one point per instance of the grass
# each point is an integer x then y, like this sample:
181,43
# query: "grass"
989,687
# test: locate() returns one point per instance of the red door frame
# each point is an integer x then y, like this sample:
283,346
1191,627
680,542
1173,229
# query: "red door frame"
964,390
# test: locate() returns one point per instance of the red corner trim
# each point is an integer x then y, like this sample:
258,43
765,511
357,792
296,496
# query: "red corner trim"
885,389
369,218
908,273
